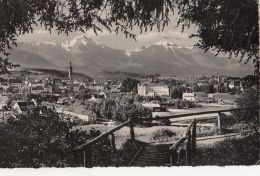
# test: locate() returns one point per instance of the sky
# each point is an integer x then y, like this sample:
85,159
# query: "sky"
119,41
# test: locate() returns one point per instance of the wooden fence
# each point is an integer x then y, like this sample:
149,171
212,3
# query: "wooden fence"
188,140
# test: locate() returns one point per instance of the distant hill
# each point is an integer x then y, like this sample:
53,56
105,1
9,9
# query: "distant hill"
63,74
45,73
123,75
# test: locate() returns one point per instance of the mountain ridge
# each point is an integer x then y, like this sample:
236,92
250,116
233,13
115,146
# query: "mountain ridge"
91,57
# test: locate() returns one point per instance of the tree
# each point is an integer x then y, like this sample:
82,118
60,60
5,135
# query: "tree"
176,93
38,141
248,99
129,85
226,26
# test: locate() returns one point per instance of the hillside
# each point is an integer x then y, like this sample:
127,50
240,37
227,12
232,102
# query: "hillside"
45,73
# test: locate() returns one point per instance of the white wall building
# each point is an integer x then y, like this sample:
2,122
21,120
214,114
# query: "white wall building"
152,90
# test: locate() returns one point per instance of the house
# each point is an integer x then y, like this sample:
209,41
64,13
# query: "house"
234,84
76,87
3,102
154,107
49,105
37,90
15,84
189,97
48,88
115,88
198,97
23,106
95,87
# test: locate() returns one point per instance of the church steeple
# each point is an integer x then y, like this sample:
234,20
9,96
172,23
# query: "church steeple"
70,71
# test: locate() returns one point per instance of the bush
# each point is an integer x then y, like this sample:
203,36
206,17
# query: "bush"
243,151
163,135
123,156
42,141
249,98
164,122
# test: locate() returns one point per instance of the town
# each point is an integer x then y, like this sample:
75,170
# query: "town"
161,95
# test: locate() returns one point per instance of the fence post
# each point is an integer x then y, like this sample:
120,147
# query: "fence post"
112,141
188,158
87,161
193,137
219,125
132,133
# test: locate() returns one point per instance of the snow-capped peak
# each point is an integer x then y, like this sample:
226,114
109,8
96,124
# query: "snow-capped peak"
129,52
166,44
80,39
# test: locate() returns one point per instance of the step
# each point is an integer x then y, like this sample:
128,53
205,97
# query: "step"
151,163
155,154
153,159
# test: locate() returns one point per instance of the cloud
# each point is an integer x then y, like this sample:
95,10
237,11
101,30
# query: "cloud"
91,33
166,35
40,31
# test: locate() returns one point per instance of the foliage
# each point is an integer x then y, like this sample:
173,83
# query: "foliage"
181,104
123,156
176,92
241,151
39,141
129,85
119,110
226,26
83,94
163,134
164,122
248,99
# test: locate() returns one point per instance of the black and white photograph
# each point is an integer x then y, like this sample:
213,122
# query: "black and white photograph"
129,83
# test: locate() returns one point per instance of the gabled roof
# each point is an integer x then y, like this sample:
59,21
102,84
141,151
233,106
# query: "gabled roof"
38,88
24,105
15,81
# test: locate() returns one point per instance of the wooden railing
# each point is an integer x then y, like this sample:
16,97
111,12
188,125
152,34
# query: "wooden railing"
86,148
188,140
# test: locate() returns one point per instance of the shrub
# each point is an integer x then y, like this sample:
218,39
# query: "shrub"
163,134
42,141
123,156
164,122
242,151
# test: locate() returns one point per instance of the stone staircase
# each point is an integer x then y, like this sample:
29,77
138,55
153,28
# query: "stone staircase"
153,155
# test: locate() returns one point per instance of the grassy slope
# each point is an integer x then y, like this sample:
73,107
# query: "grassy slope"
234,151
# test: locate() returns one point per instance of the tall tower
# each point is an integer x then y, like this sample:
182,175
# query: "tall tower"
70,71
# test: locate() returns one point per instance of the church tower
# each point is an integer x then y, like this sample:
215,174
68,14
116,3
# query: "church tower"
70,71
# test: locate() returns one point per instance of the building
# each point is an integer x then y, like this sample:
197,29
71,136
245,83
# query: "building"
37,90
154,107
48,88
189,97
153,89
95,87
15,84
198,97
23,106
49,105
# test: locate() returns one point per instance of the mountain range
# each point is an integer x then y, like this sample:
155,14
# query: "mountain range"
91,57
